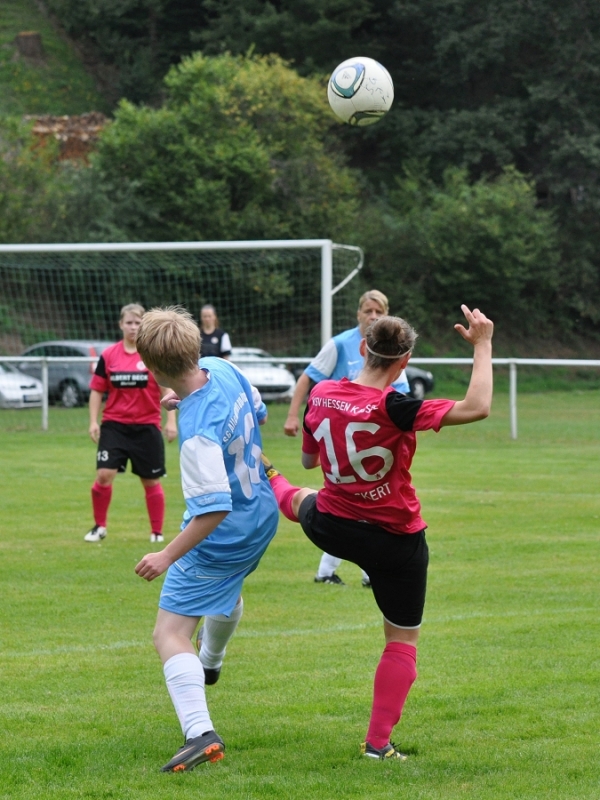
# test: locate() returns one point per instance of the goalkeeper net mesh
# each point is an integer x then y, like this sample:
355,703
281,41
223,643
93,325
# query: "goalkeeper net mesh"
268,298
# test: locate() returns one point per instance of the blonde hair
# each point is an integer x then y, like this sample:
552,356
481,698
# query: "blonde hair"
377,297
388,339
132,308
168,341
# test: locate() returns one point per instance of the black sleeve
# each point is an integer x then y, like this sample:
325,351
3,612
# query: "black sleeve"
101,368
402,410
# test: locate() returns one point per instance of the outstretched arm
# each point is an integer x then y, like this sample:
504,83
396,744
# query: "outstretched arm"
478,399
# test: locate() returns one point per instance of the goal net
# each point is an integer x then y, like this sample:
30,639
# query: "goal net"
272,295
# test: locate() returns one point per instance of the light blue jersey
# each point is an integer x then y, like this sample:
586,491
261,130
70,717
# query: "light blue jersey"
340,358
221,470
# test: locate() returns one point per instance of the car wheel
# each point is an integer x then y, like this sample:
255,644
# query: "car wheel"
70,395
417,389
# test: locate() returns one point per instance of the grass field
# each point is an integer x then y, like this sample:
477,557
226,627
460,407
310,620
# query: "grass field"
506,704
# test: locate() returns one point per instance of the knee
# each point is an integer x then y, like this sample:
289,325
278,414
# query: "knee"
105,477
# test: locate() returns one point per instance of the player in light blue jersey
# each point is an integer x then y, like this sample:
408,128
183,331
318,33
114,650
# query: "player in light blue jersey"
231,516
340,358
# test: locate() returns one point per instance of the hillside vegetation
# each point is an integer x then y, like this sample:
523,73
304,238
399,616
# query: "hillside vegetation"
57,84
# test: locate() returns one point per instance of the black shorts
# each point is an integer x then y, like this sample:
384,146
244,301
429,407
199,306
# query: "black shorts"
395,563
143,445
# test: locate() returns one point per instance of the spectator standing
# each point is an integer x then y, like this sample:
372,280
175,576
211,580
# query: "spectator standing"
130,429
215,341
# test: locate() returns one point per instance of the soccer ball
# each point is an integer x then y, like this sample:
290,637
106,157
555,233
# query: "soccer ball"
360,91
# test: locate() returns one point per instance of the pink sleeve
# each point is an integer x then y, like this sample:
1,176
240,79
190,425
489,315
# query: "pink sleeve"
309,445
99,384
431,414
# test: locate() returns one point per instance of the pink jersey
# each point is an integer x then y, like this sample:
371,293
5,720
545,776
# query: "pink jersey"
366,439
133,394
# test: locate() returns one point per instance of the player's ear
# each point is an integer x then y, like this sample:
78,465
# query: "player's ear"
362,348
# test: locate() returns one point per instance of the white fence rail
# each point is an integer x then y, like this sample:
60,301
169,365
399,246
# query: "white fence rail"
512,363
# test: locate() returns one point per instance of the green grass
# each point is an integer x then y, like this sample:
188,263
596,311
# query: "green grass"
58,86
505,705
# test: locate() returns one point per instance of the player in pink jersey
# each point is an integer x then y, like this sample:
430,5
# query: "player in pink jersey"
363,436
131,426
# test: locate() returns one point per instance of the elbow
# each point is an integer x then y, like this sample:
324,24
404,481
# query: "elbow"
310,461
483,412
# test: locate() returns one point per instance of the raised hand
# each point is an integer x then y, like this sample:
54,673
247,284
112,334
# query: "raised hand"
481,329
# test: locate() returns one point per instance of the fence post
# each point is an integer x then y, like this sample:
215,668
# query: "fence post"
44,394
512,394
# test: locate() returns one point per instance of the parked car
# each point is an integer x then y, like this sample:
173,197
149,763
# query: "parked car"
69,382
18,390
272,380
420,382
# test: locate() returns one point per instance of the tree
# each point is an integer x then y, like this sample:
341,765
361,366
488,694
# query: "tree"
241,149
32,187
480,86
485,244
131,43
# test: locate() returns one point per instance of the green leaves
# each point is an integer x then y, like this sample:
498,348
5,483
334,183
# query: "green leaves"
485,244
240,150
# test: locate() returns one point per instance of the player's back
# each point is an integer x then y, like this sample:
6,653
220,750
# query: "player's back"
220,459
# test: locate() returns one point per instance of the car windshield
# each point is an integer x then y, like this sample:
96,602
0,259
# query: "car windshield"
7,368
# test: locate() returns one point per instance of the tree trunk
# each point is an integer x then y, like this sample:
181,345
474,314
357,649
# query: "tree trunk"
29,44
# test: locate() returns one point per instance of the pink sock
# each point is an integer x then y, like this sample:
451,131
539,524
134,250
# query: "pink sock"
101,496
284,493
155,503
394,676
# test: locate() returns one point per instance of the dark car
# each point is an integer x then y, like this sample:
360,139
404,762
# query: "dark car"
69,382
420,382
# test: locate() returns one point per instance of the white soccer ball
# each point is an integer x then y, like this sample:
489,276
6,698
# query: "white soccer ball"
360,91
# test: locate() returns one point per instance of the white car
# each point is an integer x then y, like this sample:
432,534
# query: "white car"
273,380
18,390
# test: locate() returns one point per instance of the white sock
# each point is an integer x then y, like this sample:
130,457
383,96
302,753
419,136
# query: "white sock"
365,576
185,681
328,565
217,631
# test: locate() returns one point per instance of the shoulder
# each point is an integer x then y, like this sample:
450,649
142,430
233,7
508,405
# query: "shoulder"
351,335
401,409
113,349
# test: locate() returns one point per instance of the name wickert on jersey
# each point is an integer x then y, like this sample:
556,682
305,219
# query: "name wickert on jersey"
376,494
343,405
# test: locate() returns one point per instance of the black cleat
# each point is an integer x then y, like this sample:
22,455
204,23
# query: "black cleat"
387,753
366,583
208,747
333,578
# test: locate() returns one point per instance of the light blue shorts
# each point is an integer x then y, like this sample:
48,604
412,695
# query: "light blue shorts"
188,592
